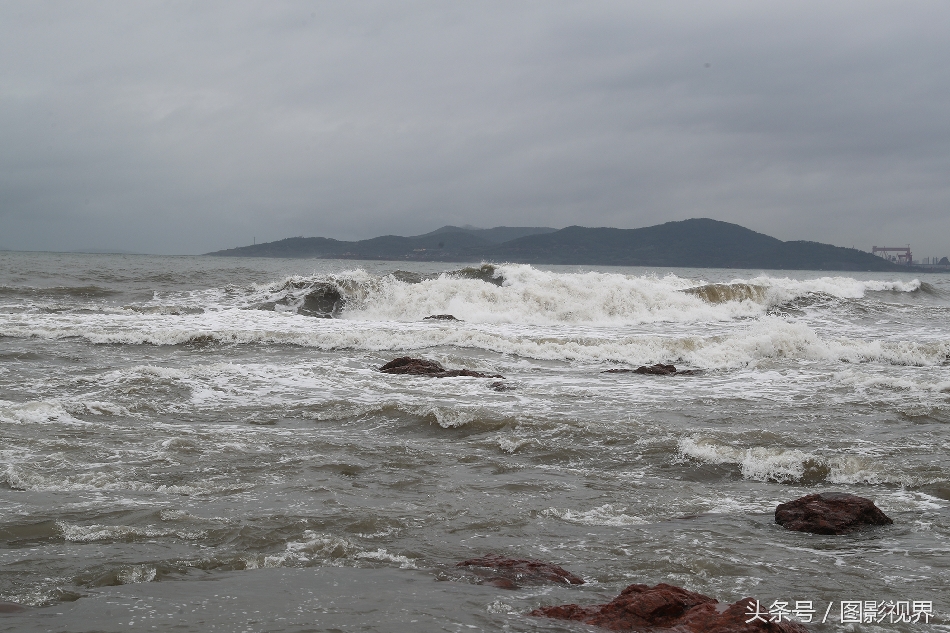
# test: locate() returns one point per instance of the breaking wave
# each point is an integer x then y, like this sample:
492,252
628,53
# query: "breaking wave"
793,466
760,340
518,293
509,293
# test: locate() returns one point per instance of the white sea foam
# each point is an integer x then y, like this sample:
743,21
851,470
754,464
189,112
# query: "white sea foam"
514,443
528,296
764,338
24,477
790,465
137,574
606,514
534,296
324,549
91,533
37,412
589,317
864,382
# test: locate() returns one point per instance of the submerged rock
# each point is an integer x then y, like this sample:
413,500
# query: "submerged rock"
501,386
422,367
511,573
670,608
440,317
11,607
655,370
829,513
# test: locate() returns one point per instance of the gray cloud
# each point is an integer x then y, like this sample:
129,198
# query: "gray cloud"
188,127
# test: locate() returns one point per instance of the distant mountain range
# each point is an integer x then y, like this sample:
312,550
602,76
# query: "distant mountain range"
696,243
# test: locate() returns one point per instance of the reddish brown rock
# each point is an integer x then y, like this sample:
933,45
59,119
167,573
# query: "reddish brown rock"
829,513
422,367
510,573
11,607
668,608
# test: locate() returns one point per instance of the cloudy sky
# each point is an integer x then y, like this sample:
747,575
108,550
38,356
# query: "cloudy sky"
186,127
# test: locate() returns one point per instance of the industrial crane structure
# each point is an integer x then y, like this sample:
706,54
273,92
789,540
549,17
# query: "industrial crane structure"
903,256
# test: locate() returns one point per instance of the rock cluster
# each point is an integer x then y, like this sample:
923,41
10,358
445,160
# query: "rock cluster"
829,513
440,317
511,573
669,608
422,367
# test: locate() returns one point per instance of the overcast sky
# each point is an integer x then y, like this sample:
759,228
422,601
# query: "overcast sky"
186,127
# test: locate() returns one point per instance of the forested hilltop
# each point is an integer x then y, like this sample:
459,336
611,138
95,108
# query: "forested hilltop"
698,243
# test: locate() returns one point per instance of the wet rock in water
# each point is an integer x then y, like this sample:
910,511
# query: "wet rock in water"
452,373
11,607
668,608
413,366
829,513
511,573
501,386
440,317
655,370
422,367
324,301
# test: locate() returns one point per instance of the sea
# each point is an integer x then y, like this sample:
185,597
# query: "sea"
187,444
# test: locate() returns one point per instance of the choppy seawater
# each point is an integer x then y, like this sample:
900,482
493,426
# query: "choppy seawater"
181,450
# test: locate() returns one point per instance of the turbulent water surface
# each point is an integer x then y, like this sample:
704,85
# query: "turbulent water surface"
185,444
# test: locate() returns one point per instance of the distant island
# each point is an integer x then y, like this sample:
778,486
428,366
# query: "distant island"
695,243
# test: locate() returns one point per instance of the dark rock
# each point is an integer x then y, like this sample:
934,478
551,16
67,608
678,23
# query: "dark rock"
413,366
829,513
511,573
656,370
501,386
324,301
11,607
452,373
440,317
422,367
666,607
